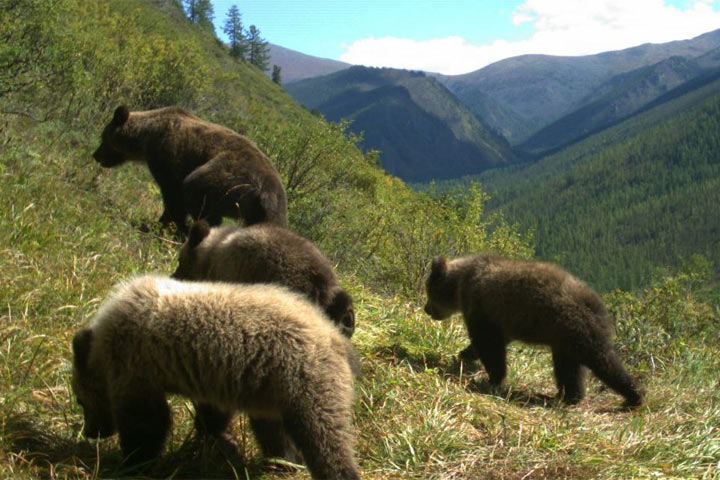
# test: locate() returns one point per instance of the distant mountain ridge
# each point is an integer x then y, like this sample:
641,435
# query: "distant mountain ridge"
297,66
421,129
537,90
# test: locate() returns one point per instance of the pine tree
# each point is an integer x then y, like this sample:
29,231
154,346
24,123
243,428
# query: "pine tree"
201,12
276,74
233,29
259,52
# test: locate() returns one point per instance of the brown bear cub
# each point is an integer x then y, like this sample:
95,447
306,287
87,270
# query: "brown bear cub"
266,253
504,300
203,169
257,348
263,253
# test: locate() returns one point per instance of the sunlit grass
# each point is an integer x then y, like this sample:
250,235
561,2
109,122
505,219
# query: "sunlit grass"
66,236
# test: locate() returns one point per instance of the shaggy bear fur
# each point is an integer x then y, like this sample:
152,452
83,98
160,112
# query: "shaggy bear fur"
266,253
203,169
263,253
504,300
256,348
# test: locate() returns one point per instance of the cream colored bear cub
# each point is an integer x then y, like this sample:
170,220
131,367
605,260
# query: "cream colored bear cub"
255,348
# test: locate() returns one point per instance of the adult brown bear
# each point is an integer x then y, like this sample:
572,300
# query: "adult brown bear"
257,348
504,300
203,169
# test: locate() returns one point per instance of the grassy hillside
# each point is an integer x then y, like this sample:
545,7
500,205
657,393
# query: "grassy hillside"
420,128
69,230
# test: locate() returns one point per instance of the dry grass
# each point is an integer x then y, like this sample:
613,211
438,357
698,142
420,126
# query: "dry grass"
66,236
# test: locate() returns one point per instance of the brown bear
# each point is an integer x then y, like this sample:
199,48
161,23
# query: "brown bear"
266,253
504,300
263,253
203,169
257,348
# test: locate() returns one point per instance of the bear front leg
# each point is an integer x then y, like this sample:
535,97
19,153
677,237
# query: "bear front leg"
274,441
569,377
143,424
489,343
172,197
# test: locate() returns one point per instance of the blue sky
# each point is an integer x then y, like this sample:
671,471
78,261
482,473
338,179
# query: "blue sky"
457,36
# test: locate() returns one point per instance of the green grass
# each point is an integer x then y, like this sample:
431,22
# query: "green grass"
69,230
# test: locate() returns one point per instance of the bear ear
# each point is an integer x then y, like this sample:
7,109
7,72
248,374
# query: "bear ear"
439,266
198,232
81,347
121,115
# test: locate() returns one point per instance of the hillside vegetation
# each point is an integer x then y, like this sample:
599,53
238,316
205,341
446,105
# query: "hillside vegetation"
69,230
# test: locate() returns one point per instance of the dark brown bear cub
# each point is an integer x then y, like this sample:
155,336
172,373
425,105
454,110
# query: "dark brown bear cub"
266,253
203,169
504,300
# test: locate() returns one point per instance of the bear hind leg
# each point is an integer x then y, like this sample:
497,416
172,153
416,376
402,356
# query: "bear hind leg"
608,367
209,420
143,425
325,443
569,377
274,441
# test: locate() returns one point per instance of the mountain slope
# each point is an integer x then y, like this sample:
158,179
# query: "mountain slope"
421,129
621,203
541,89
297,66
616,99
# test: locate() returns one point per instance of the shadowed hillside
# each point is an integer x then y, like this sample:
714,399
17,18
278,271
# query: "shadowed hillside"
421,130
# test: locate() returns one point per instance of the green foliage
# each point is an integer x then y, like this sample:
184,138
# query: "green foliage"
201,12
234,30
258,51
658,323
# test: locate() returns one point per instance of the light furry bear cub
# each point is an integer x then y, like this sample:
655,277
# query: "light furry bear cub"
257,348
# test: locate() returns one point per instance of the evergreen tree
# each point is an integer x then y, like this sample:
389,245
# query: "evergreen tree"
276,74
201,12
234,30
258,50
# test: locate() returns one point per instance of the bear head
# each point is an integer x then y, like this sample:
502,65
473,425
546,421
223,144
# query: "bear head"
441,291
111,152
90,388
186,269
341,312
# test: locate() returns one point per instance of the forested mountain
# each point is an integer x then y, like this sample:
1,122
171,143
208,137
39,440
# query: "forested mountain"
297,66
420,128
620,204
536,90
617,99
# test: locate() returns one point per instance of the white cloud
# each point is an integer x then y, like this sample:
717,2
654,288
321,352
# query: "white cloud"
561,27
